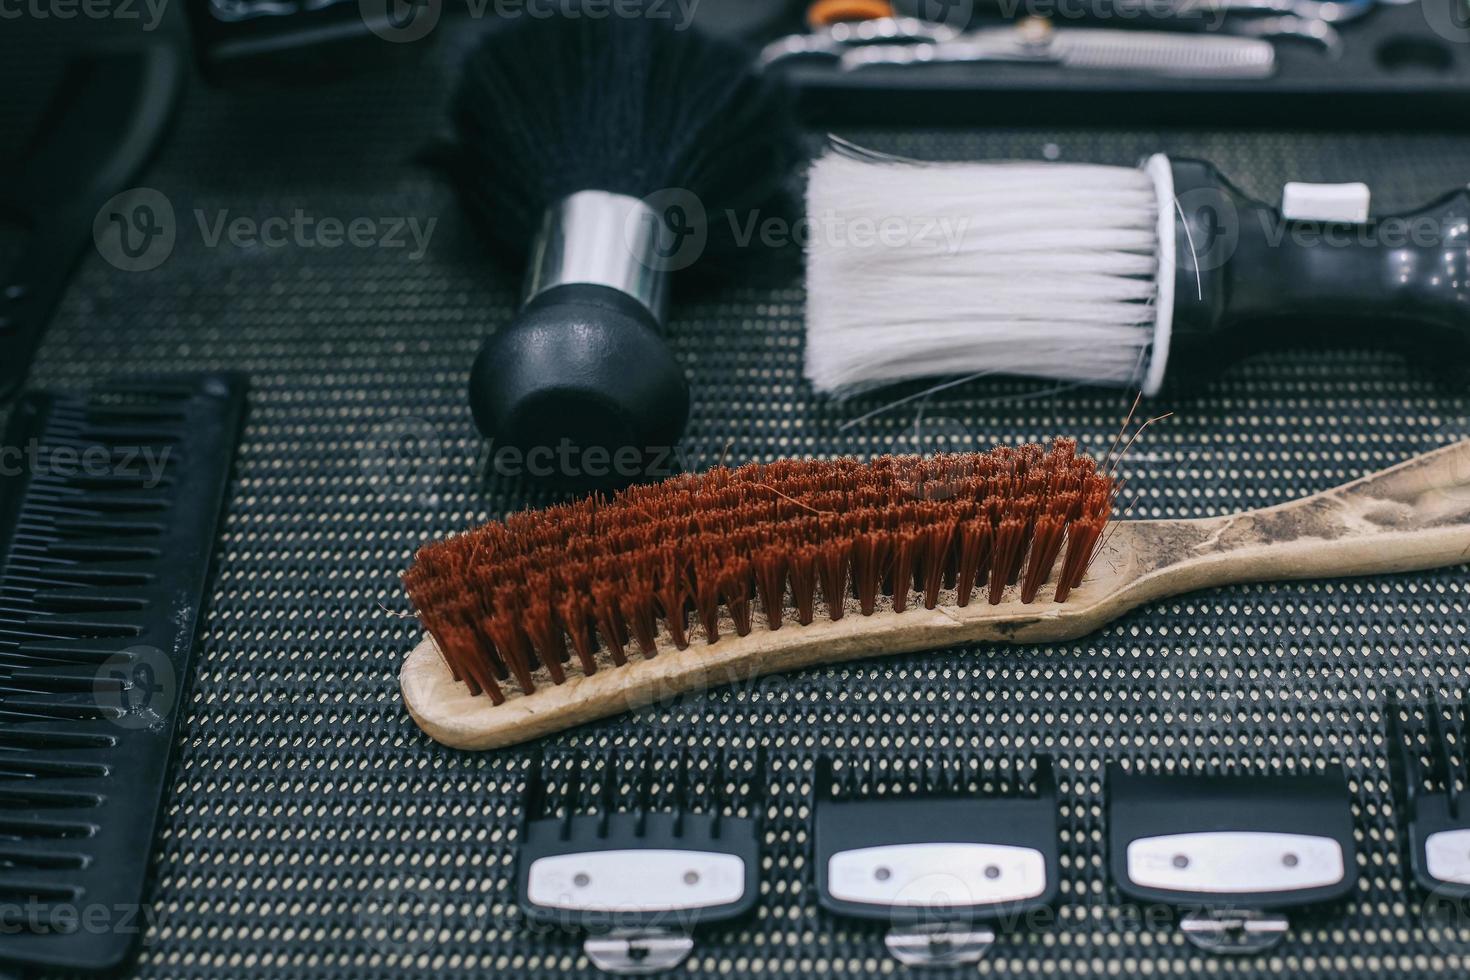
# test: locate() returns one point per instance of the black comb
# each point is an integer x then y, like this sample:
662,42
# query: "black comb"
109,503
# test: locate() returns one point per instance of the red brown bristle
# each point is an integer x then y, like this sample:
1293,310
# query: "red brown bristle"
548,594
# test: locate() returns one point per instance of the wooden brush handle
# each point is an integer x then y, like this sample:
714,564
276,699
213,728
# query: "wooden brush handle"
1413,516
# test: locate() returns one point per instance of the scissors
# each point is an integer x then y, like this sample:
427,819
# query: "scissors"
833,40
1314,21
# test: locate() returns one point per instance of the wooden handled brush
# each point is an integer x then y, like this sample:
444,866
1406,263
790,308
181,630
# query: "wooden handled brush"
559,617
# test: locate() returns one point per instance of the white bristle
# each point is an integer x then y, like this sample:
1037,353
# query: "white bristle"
919,269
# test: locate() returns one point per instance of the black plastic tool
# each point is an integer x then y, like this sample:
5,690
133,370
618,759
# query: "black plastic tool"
1231,851
639,871
1248,275
104,121
1431,781
109,504
932,857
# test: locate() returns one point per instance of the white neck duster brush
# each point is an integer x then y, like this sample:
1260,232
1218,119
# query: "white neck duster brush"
1103,275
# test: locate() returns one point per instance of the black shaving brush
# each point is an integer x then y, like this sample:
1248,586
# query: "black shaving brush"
594,145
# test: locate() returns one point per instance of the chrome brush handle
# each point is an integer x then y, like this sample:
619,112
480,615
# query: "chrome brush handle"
602,239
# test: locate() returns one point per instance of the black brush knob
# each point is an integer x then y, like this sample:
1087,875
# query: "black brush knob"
583,366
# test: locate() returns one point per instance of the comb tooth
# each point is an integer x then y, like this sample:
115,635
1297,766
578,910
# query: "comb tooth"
34,767
33,885
71,601
606,790
101,550
533,797
1404,767
1461,728
571,794
42,628
1444,767
61,576
680,777
52,737
18,830
643,793
24,798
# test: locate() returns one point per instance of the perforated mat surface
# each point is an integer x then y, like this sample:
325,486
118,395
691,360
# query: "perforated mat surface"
313,832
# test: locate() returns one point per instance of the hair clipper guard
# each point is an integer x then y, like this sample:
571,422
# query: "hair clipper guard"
639,853
936,864
1231,852
1431,782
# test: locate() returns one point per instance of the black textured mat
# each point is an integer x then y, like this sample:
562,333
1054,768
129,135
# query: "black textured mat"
314,833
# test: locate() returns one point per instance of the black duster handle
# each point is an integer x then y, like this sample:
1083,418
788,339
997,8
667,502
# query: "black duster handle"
1242,268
